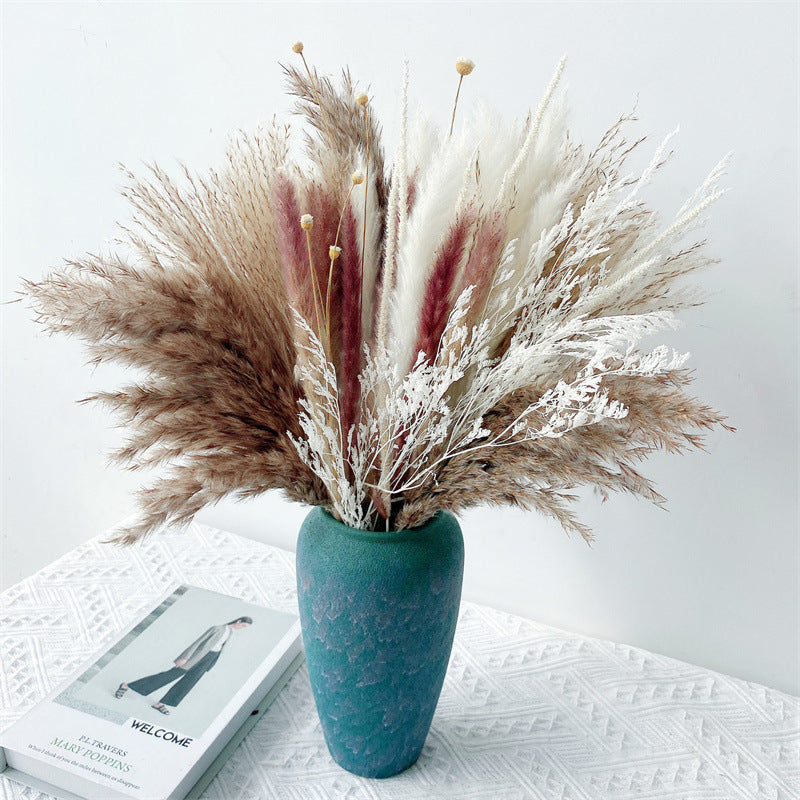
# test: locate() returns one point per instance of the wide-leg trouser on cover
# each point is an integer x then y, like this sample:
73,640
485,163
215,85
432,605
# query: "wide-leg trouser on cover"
188,678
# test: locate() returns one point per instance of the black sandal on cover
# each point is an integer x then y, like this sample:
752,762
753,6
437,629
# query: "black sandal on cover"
120,691
162,708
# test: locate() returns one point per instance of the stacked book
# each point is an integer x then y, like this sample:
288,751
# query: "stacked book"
154,716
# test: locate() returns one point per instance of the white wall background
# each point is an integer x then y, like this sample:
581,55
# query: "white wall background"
715,580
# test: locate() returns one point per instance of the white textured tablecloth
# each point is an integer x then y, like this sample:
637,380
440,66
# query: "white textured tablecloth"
526,710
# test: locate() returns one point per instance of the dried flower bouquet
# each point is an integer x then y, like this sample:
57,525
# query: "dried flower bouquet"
459,328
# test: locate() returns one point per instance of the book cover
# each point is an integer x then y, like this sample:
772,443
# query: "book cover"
148,717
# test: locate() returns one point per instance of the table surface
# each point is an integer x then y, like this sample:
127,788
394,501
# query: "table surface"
526,710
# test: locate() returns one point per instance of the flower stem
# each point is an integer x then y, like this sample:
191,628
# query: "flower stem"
455,106
315,286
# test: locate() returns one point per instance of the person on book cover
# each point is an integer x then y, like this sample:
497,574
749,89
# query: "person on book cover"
197,659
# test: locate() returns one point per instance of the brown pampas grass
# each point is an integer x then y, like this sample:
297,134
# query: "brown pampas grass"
460,329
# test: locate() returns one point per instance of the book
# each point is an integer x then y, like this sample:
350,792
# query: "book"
155,715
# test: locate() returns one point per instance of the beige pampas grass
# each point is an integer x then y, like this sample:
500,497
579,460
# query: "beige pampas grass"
462,328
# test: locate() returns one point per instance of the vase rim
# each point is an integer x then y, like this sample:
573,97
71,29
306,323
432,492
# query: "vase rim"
383,536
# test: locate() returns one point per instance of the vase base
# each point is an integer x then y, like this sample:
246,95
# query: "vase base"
379,772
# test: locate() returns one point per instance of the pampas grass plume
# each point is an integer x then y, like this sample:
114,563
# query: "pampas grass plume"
464,326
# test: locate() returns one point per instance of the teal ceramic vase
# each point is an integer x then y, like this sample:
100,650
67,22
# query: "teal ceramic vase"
378,612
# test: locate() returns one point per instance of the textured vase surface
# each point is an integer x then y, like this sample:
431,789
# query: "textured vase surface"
378,613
